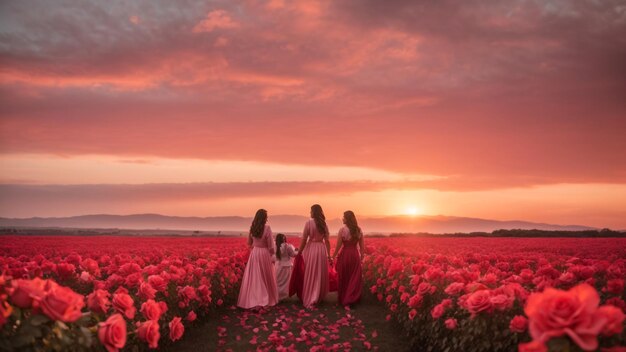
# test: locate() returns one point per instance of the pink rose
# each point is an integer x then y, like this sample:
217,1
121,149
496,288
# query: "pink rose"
437,311
554,313
61,303
450,323
479,301
518,324
176,329
425,288
151,310
157,282
25,291
112,332
191,316
98,301
146,291
454,288
501,302
614,318
124,304
415,301
149,331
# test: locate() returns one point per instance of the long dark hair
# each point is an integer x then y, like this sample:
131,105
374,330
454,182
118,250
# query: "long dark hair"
258,224
355,230
320,220
280,239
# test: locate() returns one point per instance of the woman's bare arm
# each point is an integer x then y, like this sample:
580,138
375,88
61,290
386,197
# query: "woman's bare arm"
339,244
305,237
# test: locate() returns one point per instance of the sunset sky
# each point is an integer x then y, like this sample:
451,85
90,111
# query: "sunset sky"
494,109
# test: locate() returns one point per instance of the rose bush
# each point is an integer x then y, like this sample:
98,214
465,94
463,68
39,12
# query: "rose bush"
501,294
63,292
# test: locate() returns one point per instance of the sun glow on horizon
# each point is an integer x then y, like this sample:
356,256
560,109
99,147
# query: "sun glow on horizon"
412,211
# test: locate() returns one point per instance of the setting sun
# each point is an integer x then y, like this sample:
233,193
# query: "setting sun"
412,211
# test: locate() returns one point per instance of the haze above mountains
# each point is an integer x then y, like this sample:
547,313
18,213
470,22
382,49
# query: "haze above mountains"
284,223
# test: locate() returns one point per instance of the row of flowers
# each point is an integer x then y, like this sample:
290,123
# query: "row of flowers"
503,294
64,292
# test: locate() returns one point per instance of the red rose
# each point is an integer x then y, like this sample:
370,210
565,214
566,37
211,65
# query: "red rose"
479,301
437,311
61,303
146,291
151,310
415,301
124,304
112,333
204,293
25,291
149,331
425,288
614,318
501,302
450,323
191,316
176,329
533,346
454,288
553,313
519,323
98,301
65,270
412,314
157,282
615,286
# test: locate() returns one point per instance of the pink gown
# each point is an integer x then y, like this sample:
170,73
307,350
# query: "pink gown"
258,286
315,266
349,270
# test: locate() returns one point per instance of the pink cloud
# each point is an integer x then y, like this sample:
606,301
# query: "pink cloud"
214,20
501,94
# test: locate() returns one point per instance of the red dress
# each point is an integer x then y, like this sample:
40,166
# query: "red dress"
349,270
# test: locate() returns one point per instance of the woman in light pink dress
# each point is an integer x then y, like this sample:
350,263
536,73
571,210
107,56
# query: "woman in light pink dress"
315,248
284,261
258,286
349,260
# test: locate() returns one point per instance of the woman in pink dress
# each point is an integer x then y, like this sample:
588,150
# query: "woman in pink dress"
258,286
315,248
349,260
284,261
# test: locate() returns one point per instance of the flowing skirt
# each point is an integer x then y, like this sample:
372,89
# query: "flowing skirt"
258,286
315,285
350,275
283,274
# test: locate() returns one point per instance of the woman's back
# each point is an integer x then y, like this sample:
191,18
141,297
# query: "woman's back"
310,228
347,239
265,241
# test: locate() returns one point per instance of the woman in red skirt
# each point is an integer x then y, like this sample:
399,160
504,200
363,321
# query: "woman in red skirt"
349,260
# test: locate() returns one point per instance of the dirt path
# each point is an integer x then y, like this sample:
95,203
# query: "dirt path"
290,327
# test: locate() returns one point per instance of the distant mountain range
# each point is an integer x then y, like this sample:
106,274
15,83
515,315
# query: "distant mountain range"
284,223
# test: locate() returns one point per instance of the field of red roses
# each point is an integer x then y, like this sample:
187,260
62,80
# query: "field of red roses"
63,292
449,294
478,294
